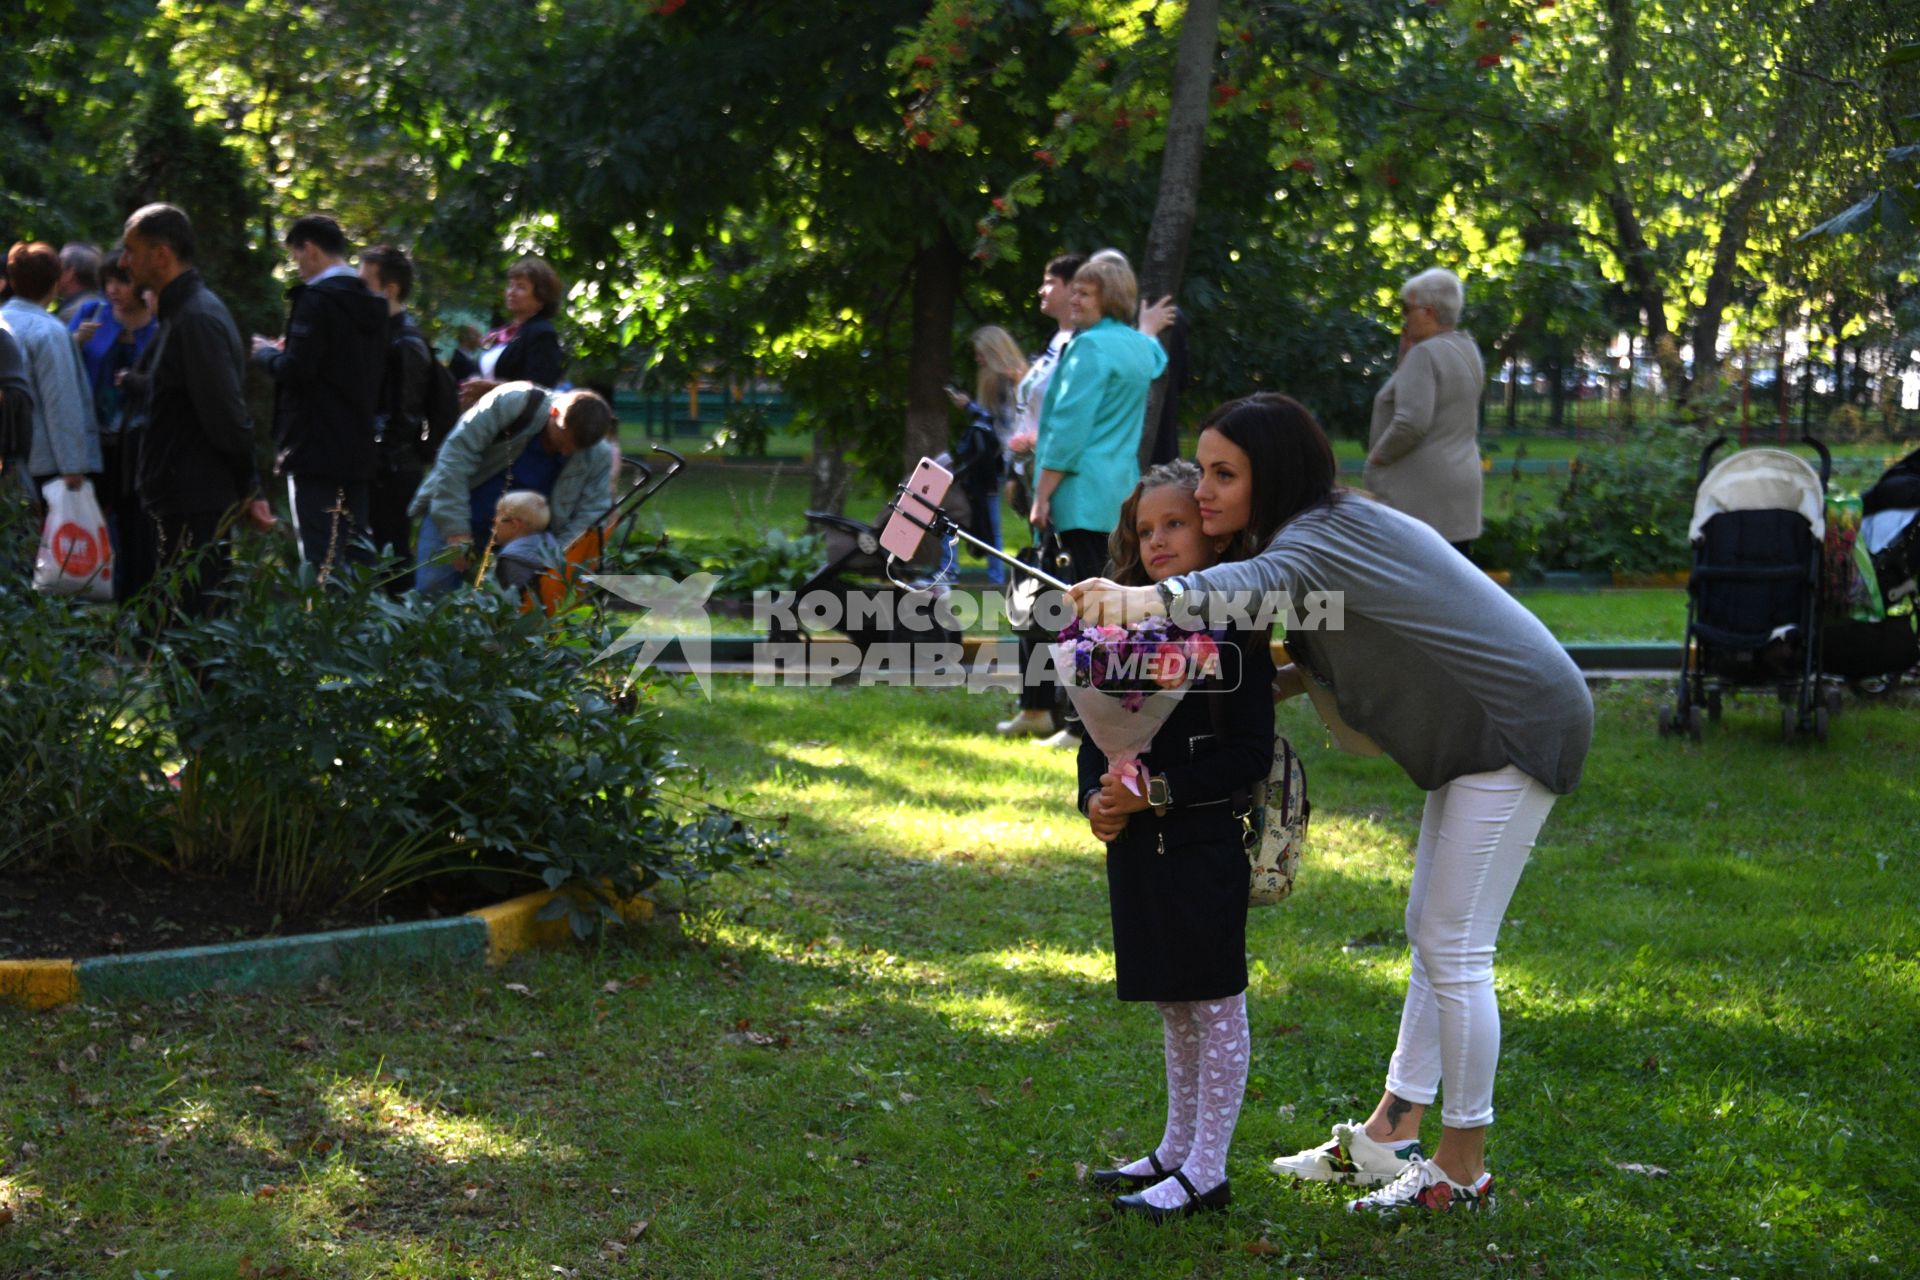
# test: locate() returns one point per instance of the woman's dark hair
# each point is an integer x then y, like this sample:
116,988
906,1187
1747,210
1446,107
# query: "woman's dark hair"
1064,266
1123,544
1291,462
543,279
114,267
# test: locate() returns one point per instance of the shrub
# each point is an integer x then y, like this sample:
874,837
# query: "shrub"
342,745
80,746
744,562
1627,503
338,745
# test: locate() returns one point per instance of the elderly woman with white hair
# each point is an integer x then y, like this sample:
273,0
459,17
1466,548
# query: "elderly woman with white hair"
1423,457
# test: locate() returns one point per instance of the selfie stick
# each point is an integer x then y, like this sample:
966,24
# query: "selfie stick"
943,526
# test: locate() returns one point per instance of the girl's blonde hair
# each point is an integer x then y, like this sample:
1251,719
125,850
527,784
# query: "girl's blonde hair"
1123,544
998,356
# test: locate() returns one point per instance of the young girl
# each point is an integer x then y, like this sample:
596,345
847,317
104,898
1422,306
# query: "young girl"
993,407
1177,867
1460,686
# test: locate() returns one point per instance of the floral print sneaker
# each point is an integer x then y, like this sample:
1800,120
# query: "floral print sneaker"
1424,1186
1352,1157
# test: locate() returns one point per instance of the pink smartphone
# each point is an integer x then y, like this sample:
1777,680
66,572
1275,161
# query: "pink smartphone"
925,489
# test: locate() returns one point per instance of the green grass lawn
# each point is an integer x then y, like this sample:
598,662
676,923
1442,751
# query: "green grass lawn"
1625,616
895,1055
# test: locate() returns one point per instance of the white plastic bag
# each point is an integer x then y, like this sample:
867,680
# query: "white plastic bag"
75,558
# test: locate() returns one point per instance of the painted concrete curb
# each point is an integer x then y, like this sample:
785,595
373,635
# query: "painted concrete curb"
489,935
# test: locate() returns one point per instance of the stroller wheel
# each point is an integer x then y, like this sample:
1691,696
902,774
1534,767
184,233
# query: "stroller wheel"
1713,706
1789,722
1819,724
1833,701
1695,727
1666,720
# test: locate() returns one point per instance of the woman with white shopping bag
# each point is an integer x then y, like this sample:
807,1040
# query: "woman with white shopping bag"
75,556
1461,687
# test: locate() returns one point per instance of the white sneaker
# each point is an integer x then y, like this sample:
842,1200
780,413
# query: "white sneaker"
1424,1186
1034,724
1352,1157
1066,739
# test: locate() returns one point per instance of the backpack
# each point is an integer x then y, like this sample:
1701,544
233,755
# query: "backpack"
1276,827
1273,819
443,400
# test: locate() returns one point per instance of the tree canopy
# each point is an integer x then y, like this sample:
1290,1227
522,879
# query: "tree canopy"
833,195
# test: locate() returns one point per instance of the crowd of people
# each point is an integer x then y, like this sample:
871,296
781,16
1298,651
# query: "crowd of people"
124,371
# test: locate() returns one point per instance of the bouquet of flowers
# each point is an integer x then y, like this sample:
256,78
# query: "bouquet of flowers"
1126,681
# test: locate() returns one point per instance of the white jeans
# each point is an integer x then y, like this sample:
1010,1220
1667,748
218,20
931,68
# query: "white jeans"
1475,836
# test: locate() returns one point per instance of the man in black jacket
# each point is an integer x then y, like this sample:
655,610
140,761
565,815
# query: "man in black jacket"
405,449
196,454
327,372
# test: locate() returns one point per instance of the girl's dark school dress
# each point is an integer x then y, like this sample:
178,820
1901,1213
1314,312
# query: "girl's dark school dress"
1177,885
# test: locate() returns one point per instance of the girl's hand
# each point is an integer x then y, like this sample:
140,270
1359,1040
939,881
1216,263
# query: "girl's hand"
1288,682
1115,797
1106,826
1103,603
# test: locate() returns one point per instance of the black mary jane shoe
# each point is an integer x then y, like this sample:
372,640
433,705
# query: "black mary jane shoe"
1108,1179
1218,1198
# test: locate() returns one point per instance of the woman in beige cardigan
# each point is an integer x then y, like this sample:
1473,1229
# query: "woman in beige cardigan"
1422,455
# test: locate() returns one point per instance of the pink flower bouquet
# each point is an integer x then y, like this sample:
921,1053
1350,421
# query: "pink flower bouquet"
1126,681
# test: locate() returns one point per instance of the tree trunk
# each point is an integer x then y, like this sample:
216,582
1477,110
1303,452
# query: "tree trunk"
1636,255
1726,257
1178,204
831,473
936,292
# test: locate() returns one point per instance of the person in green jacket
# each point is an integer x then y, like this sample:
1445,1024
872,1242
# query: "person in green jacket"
1088,454
519,436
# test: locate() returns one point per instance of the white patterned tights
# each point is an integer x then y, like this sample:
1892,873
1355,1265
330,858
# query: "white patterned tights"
1207,1055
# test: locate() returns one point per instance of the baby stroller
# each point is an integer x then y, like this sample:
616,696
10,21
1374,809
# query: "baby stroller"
872,606
1874,647
1759,519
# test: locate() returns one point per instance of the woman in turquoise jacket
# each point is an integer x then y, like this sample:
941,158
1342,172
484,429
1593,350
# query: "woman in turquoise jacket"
1096,404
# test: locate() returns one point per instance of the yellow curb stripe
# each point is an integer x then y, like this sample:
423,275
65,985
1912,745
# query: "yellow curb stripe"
38,984
514,925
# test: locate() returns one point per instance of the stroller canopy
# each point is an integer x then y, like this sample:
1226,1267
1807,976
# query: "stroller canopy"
1760,480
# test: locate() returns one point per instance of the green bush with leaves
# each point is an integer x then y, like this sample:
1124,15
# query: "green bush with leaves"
342,745
334,745
81,749
1627,503
769,560
1625,510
